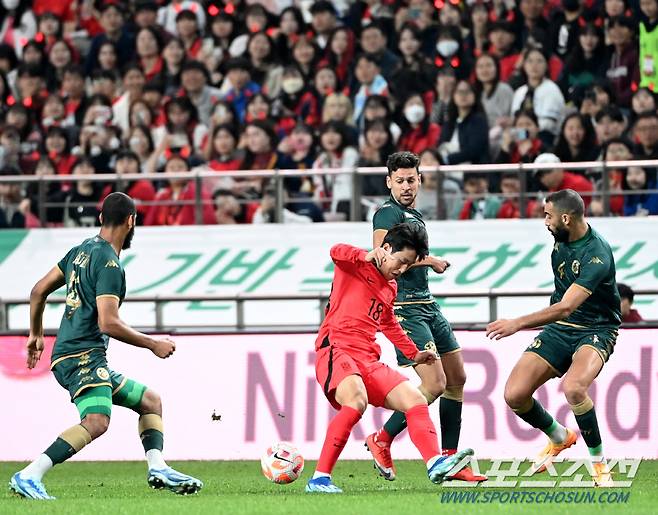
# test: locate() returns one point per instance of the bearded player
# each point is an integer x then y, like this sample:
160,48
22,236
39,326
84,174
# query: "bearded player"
580,331
420,317
95,287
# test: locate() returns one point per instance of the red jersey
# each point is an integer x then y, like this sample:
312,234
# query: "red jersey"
361,303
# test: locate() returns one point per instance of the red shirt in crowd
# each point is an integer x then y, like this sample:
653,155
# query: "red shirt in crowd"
632,317
572,181
180,214
416,140
140,191
361,304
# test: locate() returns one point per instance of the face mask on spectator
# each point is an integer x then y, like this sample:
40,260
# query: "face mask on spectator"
447,48
292,85
134,142
414,113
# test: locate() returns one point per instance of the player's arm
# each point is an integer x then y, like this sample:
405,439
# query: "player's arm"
437,264
111,324
571,300
394,332
49,283
342,252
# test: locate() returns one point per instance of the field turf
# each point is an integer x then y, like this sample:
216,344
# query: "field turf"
238,487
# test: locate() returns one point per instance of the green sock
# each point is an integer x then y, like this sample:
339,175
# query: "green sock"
450,413
395,424
152,439
537,416
589,429
59,451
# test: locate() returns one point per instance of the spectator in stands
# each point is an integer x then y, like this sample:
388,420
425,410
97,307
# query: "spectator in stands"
510,187
182,191
418,133
58,149
173,59
623,71
502,36
55,193
194,81
107,58
375,148
427,201
325,80
647,44
14,209
496,98
53,113
305,54
17,23
565,27
337,108
297,101
532,11
222,149
640,204
628,314
558,179
478,203
373,41
260,144
187,29
369,81
265,213
610,124
465,135
291,24
643,100
140,190
149,45
339,53
60,55
378,107
577,140
298,152
539,93
645,132
146,13
586,62
414,73
265,70
167,14
444,88
323,21
81,202
181,117
335,152
616,149
521,143
227,208
133,84
450,52
140,141
478,41
114,30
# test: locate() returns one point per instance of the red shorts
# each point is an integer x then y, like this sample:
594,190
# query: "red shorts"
332,365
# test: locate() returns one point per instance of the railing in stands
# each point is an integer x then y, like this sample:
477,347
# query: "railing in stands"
159,301
356,207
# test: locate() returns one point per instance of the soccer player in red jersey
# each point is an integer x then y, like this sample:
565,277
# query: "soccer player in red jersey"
347,356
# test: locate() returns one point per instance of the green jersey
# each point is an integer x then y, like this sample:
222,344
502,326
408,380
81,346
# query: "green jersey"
588,263
92,270
413,285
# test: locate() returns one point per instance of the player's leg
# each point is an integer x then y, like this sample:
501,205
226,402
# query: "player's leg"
586,365
147,403
95,407
351,399
405,398
531,371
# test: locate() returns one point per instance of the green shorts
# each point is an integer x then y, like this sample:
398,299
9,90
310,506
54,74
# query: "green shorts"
427,327
81,372
557,344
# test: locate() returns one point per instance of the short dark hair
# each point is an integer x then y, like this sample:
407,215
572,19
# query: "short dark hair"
407,236
402,159
568,201
117,207
626,292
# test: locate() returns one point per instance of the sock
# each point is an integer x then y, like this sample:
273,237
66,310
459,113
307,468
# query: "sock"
155,459
38,467
423,432
450,413
556,432
317,474
589,426
397,422
535,415
68,443
150,430
337,434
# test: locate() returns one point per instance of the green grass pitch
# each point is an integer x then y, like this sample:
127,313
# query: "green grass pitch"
238,487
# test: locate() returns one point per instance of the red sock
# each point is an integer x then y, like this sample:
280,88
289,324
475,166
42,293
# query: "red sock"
337,434
383,436
448,452
422,432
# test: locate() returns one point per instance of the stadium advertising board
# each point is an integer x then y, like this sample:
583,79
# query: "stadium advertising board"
277,259
229,397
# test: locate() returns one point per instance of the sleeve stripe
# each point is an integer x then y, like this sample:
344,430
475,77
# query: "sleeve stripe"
108,295
583,288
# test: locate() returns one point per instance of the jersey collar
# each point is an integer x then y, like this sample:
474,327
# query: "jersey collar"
404,208
581,241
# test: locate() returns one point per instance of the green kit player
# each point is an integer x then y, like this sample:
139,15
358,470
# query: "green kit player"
95,287
422,320
579,336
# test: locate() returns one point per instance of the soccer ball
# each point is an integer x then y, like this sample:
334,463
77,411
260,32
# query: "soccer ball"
282,463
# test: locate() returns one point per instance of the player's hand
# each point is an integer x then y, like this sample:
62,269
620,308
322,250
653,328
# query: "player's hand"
164,348
502,328
425,356
439,265
34,350
377,256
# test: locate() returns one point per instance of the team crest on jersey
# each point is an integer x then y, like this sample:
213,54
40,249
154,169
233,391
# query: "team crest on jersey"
560,270
102,374
111,264
596,260
575,267
535,344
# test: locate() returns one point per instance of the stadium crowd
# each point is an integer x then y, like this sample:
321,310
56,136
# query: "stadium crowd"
155,86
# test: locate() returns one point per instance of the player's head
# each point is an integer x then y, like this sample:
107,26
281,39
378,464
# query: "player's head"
563,212
406,243
403,177
119,211
627,295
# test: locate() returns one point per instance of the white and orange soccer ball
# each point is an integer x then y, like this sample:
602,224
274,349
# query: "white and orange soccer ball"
282,463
